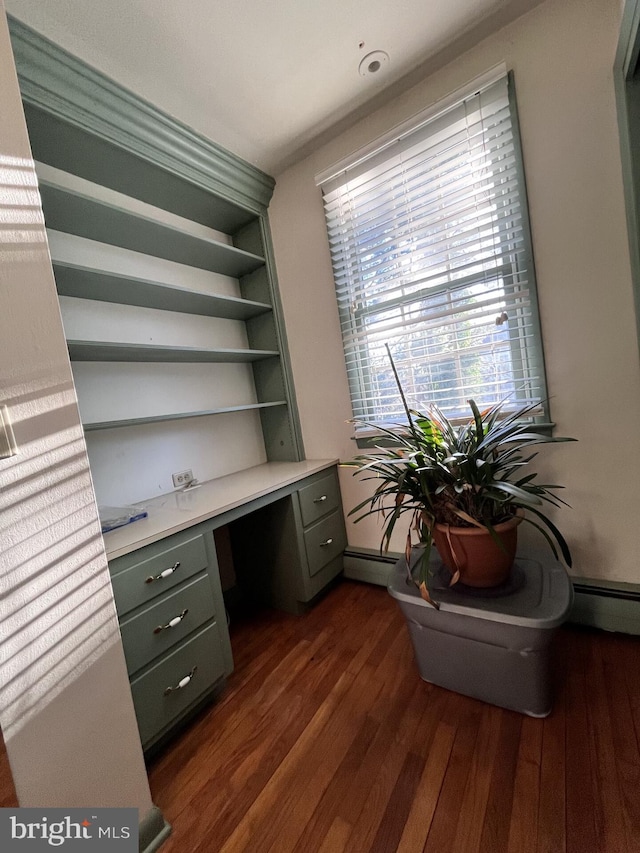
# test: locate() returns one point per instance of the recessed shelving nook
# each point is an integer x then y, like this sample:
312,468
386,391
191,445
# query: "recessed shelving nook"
161,252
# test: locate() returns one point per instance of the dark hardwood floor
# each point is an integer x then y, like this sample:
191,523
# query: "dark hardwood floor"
8,798
326,740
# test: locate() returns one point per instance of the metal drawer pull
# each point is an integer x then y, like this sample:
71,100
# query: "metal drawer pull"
320,499
182,683
172,623
164,574
324,544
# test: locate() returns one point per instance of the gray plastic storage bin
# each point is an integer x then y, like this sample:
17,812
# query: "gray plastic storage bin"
493,645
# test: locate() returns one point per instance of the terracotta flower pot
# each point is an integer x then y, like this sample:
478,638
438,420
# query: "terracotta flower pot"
475,554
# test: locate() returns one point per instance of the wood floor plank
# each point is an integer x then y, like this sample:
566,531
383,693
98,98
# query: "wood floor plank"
476,794
407,726
401,698
552,829
232,780
251,767
235,704
326,740
627,755
630,664
386,677
495,829
287,726
318,800
217,801
523,828
390,679
581,827
336,839
319,749
240,732
552,826
608,812
423,806
8,797
321,824
395,815
465,714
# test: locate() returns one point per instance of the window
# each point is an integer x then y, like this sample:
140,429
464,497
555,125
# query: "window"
431,254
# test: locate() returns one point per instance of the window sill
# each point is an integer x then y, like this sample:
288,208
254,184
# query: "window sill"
370,438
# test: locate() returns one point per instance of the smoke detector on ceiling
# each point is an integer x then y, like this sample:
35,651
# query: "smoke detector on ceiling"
372,63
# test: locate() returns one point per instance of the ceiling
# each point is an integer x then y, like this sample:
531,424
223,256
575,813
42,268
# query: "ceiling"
265,78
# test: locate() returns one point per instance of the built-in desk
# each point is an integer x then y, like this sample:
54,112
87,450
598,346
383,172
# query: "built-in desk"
287,532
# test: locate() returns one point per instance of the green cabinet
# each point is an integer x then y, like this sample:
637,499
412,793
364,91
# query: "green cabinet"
287,546
287,552
177,683
174,628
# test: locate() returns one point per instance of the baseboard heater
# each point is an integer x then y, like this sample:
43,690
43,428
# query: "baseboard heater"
609,605
369,565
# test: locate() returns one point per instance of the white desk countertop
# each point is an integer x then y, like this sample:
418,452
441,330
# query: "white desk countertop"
179,510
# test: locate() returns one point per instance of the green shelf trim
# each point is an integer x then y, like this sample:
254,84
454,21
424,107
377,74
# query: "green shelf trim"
105,286
626,79
90,427
62,85
293,427
75,213
109,351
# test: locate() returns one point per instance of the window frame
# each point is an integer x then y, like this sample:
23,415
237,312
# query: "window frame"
512,263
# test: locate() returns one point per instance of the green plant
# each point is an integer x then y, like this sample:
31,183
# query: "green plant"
469,475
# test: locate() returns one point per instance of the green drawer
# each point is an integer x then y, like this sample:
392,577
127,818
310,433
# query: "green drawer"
141,637
137,578
324,541
319,498
202,658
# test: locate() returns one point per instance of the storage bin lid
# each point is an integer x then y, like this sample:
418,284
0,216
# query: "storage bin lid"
540,594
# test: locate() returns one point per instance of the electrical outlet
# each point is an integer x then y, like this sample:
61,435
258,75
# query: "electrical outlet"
182,478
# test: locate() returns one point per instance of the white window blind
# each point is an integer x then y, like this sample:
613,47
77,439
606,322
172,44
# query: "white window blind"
431,254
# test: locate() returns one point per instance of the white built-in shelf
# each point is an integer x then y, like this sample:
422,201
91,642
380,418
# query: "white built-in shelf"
223,410
106,286
76,206
109,351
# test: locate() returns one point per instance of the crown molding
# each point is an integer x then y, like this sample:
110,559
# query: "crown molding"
55,81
